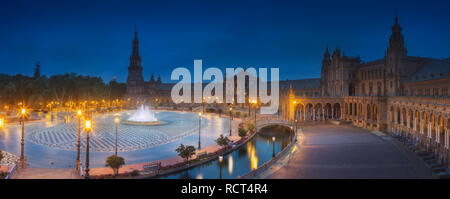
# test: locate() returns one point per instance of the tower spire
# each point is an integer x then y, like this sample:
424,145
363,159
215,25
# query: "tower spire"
396,40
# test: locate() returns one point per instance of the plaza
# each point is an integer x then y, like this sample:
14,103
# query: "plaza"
52,144
345,151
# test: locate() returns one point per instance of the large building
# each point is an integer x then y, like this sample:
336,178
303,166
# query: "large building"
399,93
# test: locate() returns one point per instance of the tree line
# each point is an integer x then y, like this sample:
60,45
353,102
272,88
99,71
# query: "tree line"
37,92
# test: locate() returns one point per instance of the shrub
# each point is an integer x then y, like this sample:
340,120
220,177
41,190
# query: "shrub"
134,173
222,141
242,132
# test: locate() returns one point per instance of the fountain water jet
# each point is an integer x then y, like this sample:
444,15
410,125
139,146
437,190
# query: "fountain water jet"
143,116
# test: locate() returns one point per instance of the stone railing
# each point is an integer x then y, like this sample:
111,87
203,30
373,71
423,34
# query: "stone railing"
12,171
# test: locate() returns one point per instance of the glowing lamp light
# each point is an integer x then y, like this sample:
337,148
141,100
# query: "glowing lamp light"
273,139
117,120
1,123
23,111
79,112
220,159
88,125
200,114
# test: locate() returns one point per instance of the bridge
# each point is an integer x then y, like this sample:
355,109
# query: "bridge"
265,121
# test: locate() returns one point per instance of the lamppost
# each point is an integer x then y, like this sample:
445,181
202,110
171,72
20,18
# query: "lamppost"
295,133
254,102
231,118
2,123
220,166
273,147
203,104
116,120
79,114
23,112
88,128
199,128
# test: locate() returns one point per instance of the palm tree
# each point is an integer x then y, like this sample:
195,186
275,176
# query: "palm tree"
115,162
222,141
185,152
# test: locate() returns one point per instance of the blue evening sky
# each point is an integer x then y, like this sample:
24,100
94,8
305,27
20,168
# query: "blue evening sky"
94,37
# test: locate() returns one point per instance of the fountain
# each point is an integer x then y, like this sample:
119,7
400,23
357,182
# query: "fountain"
143,116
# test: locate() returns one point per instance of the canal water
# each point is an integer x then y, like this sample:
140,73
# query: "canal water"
241,161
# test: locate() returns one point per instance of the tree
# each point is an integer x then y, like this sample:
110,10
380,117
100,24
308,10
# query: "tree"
242,132
115,162
185,152
1,155
250,126
238,114
222,141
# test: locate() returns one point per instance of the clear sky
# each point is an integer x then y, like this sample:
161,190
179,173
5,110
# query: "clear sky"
94,37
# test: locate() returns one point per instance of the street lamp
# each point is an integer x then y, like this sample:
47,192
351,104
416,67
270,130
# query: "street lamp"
116,120
2,123
88,128
220,166
295,133
273,147
231,118
23,112
199,128
254,103
79,114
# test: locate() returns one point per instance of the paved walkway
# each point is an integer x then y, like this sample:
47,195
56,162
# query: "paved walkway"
331,151
44,173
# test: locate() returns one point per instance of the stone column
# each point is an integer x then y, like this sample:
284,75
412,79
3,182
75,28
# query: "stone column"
323,113
314,113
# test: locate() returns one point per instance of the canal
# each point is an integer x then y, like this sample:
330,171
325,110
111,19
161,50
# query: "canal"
241,161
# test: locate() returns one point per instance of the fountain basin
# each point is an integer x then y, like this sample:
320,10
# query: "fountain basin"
149,123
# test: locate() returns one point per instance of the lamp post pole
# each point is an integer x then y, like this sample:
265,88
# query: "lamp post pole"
199,129
22,141
116,121
273,147
2,121
255,116
79,141
231,118
220,166
88,128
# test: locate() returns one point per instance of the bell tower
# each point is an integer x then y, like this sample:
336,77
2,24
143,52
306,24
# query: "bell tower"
135,79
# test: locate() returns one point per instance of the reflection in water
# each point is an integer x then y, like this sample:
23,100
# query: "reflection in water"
243,160
230,164
252,155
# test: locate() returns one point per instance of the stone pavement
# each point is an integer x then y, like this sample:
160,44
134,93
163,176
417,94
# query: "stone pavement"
44,173
331,151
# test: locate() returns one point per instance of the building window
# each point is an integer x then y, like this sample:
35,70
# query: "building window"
435,92
444,92
363,89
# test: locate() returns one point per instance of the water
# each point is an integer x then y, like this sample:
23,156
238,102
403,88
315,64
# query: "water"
143,114
248,157
52,143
